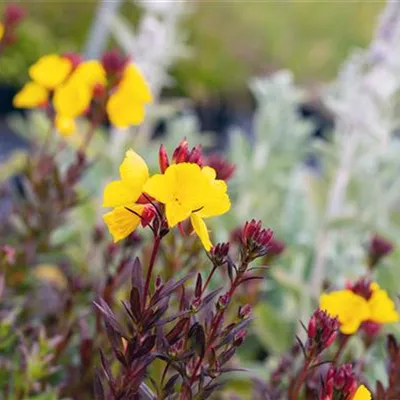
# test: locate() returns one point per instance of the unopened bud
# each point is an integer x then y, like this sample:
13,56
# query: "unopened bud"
181,153
163,159
13,14
196,156
223,301
239,338
245,311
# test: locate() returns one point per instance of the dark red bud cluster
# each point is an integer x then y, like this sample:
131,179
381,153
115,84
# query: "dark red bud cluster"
223,167
13,15
114,62
182,154
322,331
341,380
371,329
255,239
379,247
362,287
219,253
276,247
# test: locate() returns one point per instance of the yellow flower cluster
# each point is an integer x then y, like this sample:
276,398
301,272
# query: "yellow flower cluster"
186,190
72,91
352,309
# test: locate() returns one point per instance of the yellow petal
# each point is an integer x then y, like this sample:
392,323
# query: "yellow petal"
72,100
30,96
175,213
134,171
123,112
1,30
216,204
122,222
362,393
135,83
89,73
200,228
50,71
65,125
160,187
382,308
190,186
209,172
351,309
117,193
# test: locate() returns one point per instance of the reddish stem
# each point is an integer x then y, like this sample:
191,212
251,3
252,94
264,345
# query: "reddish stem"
300,380
215,324
343,342
208,280
154,253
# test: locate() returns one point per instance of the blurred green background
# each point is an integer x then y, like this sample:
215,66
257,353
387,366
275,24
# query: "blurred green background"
230,40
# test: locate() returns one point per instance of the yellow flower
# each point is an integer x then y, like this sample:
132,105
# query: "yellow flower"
352,309
381,307
30,96
190,191
126,106
1,30
123,194
50,71
362,393
65,125
89,73
72,99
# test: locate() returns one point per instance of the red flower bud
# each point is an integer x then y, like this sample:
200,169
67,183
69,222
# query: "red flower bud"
379,247
239,338
223,168
163,159
13,14
255,239
196,156
245,311
312,327
322,331
114,62
181,153
148,215
362,287
219,253
223,301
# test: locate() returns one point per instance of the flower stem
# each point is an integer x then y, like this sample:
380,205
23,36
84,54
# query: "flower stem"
208,280
214,326
156,246
300,379
343,342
